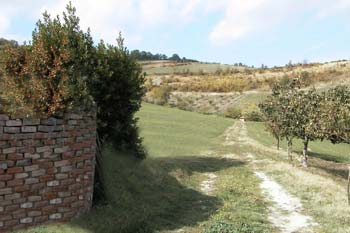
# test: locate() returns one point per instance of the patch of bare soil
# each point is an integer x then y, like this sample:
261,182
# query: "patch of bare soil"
208,185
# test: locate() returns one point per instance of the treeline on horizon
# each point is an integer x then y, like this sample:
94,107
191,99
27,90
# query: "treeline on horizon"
136,54
148,56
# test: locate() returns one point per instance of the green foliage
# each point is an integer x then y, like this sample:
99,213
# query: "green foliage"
308,115
54,66
233,112
336,115
253,115
64,69
117,89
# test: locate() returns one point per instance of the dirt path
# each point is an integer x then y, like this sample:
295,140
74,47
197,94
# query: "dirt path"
285,213
207,186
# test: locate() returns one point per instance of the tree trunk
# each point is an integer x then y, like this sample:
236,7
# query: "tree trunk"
289,149
304,159
278,142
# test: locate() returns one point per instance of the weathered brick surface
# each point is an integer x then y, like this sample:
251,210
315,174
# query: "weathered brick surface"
46,169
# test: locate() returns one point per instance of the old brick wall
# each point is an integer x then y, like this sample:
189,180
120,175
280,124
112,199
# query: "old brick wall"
46,169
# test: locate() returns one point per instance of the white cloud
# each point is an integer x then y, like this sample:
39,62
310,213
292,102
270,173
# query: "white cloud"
243,18
236,19
107,17
4,24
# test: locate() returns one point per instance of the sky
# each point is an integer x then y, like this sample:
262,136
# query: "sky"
254,32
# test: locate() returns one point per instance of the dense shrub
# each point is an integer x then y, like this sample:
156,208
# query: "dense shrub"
54,66
233,112
65,70
253,115
117,89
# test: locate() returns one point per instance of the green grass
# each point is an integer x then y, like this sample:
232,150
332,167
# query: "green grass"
173,132
162,193
251,100
324,150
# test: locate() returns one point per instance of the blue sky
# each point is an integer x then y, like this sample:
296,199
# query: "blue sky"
271,32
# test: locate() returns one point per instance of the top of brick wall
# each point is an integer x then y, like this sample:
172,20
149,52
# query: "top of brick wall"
11,125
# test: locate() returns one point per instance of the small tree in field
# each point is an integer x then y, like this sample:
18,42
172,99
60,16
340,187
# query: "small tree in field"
271,110
306,109
336,115
278,114
336,118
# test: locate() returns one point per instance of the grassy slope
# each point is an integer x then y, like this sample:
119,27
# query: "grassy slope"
162,193
170,132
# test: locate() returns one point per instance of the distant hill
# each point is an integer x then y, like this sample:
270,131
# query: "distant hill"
148,56
163,67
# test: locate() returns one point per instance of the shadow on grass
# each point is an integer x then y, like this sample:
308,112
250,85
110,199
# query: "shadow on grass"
329,164
153,195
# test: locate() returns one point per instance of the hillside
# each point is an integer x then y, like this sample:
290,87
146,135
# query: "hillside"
223,89
168,67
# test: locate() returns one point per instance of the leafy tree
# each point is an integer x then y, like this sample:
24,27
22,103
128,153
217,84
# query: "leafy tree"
294,113
175,57
336,118
117,88
278,114
306,109
271,111
336,115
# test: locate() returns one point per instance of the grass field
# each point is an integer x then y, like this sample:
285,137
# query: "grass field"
164,192
324,150
171,132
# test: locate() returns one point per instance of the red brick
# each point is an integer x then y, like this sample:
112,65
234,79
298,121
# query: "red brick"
66,174
21,188
15,182
46,178
6,177
14,170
